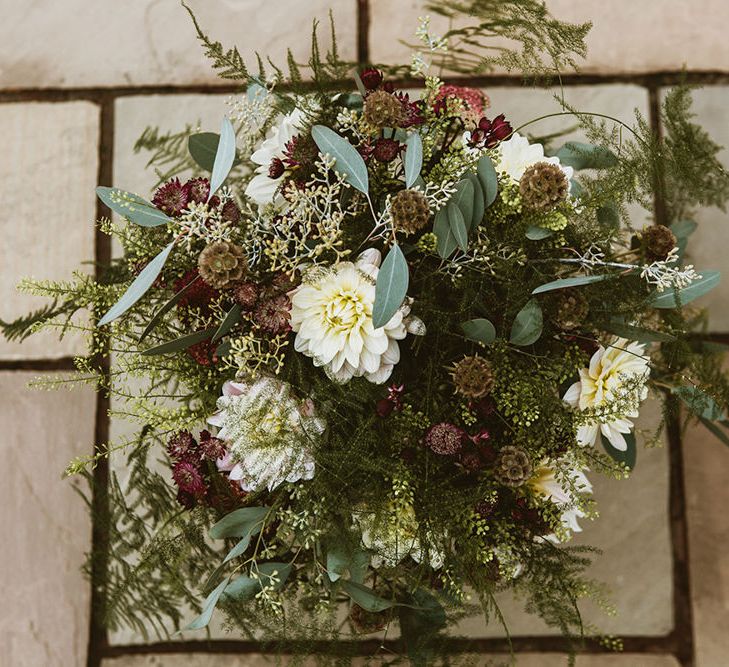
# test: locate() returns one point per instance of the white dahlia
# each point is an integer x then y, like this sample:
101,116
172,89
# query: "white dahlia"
331,313
268,433
517,154
263,186
611,389
563,493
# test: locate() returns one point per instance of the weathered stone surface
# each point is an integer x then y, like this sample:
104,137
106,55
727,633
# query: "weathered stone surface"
153,42
48,172
44,620
708,244
627,37
706,462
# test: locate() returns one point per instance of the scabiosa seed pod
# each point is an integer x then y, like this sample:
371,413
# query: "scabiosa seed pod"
198,189
371,78
445,439
657,242
381,109
172,197
473,377
410,211
274,315
246,294
221,263
513,467
572,309
188,479
181,444
211,448
386,150
543,186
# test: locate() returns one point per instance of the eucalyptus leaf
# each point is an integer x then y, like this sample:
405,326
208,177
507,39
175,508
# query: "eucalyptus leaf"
458,225
163,310
420,621
139,287
366,597
231,318
579,155
629,456
358,82
479,206
564,283
391,287
224,156
238,523
348,161
246,587
527,326
488,178
203,147
442,229
181,343
343,559
239,548
463,199
538,233
479,330
132,207
208,607
700,403
413,158
669,299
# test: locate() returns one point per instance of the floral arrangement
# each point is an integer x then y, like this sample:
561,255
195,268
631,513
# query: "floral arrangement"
380,341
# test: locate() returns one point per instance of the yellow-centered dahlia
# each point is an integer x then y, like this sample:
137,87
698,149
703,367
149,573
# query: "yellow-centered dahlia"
331,313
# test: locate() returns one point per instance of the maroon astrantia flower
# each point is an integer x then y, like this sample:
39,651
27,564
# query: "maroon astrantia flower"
198,190
211,448
181,445
276,169
246,294
172,197
230,212
371,78
413,111
188,478
445,439
273,315
203,352
489,133
385,406
198,296
386,150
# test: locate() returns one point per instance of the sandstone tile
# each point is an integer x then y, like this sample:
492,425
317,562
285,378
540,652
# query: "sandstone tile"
707,247
44,620
706,461
627,37
48,173
154,43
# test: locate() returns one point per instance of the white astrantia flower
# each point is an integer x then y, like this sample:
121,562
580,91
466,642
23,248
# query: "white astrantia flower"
268,433
562,492
395,538
262,187
611,390
331,313
516,154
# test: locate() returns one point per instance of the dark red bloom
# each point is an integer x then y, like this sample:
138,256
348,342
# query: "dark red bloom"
198,296
181,445
198,189
230,212
489,133
273,315
388,87
187,500
445,439
386,150
172,197
371,78
204,352
211,448
413,111
483,407
246,294
188,479
485,508
277,168
384,408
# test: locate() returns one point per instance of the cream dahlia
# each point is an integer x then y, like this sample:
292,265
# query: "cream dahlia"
331,313
517,154
267,432
610,390
270,156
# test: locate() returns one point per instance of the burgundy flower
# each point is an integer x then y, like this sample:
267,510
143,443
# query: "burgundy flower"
489,133
188,478
413,111
203,352
211,448
198,189
181,444
198,296
371,78
230,212
276,169
273,315
445,439
386,150
246,294
187,500
172,197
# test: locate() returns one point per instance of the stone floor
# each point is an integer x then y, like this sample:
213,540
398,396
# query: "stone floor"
72,103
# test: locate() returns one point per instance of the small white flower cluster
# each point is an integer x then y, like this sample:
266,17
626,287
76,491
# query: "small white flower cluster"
251,113
419,65
664,276
201,221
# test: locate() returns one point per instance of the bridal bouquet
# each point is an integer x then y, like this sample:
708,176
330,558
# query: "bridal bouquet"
378,340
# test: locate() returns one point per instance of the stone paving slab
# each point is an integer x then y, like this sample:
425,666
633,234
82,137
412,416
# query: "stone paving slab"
153,42
627,36
48,174
44,618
